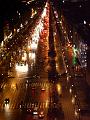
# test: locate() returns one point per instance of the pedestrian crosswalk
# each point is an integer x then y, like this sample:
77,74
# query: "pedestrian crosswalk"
42,105
15,103
39,84
39,105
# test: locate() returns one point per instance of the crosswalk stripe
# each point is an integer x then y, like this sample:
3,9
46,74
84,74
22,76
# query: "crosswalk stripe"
29,105
39,84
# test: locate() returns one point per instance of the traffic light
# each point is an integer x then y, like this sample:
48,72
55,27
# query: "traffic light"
74,60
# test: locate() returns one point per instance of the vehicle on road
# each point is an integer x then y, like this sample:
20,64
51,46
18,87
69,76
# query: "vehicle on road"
30,111
6,101
41,115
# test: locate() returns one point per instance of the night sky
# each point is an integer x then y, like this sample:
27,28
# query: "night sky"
8,7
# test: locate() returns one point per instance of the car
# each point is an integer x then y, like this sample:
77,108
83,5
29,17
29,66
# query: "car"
41,115
30,111
33,88
35,114
43,89
6,101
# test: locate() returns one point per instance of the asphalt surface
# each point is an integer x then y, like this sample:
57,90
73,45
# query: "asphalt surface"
31,88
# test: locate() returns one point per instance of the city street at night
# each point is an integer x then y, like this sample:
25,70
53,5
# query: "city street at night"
44,60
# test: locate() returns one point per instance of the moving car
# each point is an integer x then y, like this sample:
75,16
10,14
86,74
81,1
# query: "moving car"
30,111
35,113
41,115
6,101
